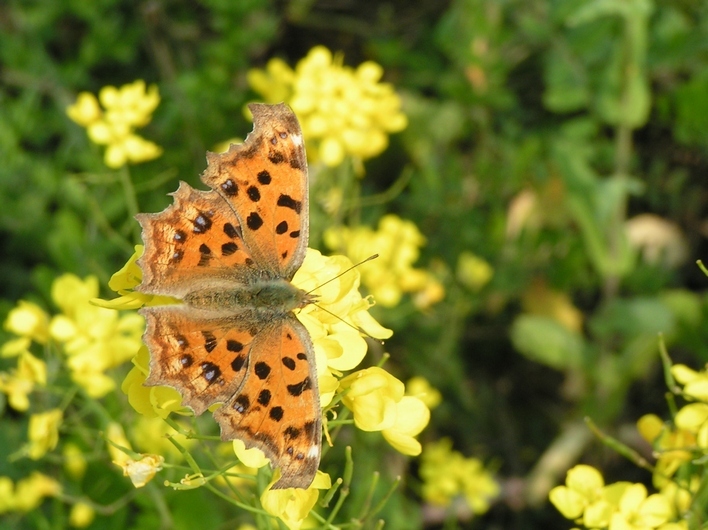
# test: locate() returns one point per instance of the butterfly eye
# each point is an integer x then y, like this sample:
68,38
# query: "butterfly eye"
283,135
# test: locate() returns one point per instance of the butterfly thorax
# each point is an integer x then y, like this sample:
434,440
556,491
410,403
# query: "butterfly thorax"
270,296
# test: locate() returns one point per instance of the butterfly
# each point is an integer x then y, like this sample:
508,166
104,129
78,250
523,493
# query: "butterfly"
229,255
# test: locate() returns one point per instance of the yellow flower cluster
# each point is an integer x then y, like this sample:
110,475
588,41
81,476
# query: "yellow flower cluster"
398,244
586,499
447,474
687,438
94,339
343,111
620,506
27,494
126,108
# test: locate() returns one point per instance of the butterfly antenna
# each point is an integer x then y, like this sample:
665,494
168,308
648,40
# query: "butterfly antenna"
374,256
357,328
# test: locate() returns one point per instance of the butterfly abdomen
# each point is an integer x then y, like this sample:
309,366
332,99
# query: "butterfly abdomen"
272,296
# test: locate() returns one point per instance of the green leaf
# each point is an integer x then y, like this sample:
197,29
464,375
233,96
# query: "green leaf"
545,340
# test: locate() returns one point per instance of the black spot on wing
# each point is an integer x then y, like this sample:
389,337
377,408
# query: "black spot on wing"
238,363
228,248
234,345
289,363
209,341
276,413
204,255
229,188
210,372
264,177
186,361
241,403
276,157
254,221
202,223
291,433
254,194
231,231
287,201
264,397
298,388
262,370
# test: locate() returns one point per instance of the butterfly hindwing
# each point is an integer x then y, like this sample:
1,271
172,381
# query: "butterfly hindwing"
277,408
201,356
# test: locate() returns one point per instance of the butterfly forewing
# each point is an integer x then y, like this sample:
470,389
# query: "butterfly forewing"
265,182
191,241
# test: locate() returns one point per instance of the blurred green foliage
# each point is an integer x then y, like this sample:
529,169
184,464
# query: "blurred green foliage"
598,110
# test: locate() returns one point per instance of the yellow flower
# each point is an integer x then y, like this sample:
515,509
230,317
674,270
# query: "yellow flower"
252,458
672,445
412,416
81,515
447,474
130,104
154,435
95,339
377,400
639,512
343,111
30,491
419,387
7,495
680,497
372,396
124,282
334,320
473,271
694,419
19,383
583,490
142,471
397,243
43,433
293,505
86,110
695,384
28,320
125,108
150,401
74,460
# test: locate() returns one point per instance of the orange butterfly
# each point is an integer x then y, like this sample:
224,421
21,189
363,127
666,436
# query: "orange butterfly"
229,254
